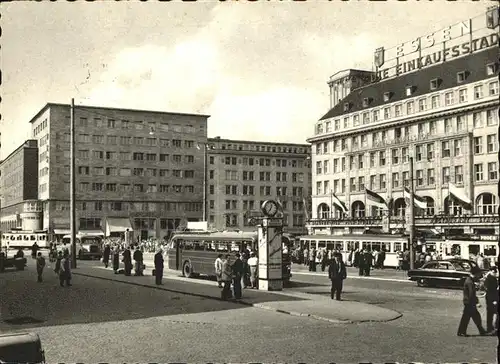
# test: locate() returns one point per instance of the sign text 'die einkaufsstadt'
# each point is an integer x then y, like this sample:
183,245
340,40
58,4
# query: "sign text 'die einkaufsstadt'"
451,42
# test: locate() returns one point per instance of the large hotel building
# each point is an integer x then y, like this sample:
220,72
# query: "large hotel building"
146,171
444,116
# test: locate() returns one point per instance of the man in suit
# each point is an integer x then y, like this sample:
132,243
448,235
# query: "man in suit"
127,261
491,288
159,266
471,301
337,273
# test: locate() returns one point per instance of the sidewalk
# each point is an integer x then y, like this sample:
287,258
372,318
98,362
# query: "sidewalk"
291,303
387,274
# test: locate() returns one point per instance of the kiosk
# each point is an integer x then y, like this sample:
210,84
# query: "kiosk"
270,248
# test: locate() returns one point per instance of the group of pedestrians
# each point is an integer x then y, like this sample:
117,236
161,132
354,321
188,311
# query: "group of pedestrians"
62,266
236,273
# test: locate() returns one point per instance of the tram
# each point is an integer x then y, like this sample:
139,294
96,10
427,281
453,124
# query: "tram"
24,239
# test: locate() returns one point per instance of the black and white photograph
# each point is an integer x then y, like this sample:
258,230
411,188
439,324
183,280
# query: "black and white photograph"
210,181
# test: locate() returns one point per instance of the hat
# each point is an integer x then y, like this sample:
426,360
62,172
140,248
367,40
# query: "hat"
475,270
237,255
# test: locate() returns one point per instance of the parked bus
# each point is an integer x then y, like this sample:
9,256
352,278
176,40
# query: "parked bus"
87,245
24,239
466,249
195,253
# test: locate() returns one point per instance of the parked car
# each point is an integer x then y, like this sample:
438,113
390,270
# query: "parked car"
12,262
450,272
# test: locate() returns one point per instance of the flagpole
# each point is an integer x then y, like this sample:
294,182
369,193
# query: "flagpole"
412,217
331,204
366,206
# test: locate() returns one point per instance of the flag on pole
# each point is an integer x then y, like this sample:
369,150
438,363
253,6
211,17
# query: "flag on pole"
459,195
336,201
418,201
375,197
304,206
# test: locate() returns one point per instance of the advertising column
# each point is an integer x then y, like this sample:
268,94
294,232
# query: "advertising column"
270,255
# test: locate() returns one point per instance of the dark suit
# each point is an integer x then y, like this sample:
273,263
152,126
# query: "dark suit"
491,287
367,263
127,261
238,270
470,310
158,267
337,273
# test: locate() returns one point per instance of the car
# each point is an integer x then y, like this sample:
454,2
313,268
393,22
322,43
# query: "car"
13,262
450,272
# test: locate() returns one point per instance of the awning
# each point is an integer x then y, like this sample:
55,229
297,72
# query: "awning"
91,232
117,225
62,231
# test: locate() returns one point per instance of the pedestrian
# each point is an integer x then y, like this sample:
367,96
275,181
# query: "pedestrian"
337,273
34,250
375,258
238,271
253,263
324,259
381,259
227,274
105,255
127,261
116,259
399,254
159,266
65,271
40,264
480,261
306,257
138,261
218,270
491,288
59,259
471,302
312,260
367,262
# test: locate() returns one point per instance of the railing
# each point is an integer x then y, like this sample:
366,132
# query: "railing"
419,220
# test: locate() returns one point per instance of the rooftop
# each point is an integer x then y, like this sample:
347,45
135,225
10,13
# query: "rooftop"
474,65
51,104
30,143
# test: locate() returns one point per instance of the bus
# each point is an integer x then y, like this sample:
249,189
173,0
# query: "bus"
449,248
24,239
87,245
195,253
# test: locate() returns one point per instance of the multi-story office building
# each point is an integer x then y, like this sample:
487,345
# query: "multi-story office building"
135,169
243,174
444,116
19,186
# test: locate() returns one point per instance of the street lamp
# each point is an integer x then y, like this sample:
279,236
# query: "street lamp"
199,145
72,201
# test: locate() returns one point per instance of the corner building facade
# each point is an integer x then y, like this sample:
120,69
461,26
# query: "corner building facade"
243,174
445,117
135,169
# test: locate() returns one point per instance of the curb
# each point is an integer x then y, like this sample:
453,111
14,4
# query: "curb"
356,277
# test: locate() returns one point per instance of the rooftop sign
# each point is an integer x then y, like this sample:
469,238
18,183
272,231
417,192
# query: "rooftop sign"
453,41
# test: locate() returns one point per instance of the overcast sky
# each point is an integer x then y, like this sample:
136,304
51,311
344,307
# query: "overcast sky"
259,68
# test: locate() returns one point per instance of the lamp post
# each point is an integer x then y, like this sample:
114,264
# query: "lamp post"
205,148
72,185
412,217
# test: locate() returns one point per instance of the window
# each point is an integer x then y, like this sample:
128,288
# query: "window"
398,110
372,159
422,105
491,117
462,95
409,90
491,141
387,96
478,145
395,180
448,127
461,77
418,152
406,178
382,181
372,182
459,174
493,88
478,92
395,156
387,112
360,161
430,176
410,107
477,119
491,69
420,177
376,115
435,101
366,102
382,158
434,84
461,122
478,172
352,184
430,151
446,175
318,168
445,149
448,98
366,118
432,127
457,147
492,171
486,204
356,120
361,183
404,154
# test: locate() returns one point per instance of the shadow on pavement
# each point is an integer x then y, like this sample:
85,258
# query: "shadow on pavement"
26,303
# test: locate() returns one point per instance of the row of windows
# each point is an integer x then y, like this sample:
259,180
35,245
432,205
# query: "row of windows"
251,190
404,134
232,175
131,206
449,148
422,178
150,126
264,148
250,205
435,101
127,172
263,162
95,223
121,187
40,127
